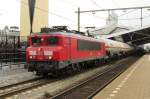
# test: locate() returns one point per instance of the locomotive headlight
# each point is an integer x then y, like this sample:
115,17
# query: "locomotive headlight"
48,54
32,52
31,57
49,57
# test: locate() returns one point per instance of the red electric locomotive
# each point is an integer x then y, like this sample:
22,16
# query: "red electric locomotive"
54,51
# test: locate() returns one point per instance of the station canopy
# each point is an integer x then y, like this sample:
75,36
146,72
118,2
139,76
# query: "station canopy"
138,36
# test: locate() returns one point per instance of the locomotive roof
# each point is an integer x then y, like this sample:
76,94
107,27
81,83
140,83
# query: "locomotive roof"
67,34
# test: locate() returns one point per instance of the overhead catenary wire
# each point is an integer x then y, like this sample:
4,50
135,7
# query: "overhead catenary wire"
99,17
72,21
46,11
127,12
144,17
95,3
115,3
75,5
130,19
69,2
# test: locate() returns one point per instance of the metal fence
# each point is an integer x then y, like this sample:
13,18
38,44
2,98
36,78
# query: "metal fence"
12,50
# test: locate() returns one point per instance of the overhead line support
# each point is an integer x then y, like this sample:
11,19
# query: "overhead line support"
114,9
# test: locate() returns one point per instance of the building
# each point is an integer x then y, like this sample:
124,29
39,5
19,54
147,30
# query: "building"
34,15
10,31
111,27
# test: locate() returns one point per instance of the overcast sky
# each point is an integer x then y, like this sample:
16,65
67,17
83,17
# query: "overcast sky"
62,12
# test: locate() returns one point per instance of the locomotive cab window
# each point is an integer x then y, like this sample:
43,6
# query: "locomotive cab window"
36,40
52,40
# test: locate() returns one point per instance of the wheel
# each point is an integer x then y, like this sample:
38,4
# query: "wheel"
38,73
45,74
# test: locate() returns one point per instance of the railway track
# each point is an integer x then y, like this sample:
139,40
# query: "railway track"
14,89
88,88
10,90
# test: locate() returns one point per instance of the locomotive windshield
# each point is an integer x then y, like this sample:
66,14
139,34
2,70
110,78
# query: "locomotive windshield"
36,40
52,41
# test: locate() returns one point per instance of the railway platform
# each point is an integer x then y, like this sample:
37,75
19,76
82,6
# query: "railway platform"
134,83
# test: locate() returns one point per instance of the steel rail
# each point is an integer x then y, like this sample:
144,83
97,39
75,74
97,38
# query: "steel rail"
10,90
70,92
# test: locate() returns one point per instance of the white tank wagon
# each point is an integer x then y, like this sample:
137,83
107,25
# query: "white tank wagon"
116,48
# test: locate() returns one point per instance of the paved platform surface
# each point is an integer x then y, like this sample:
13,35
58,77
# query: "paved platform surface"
14,75
134,83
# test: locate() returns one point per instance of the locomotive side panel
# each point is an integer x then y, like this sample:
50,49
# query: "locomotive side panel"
52,52
82,50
